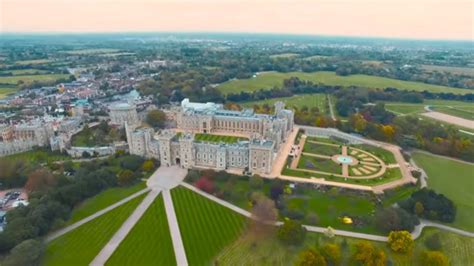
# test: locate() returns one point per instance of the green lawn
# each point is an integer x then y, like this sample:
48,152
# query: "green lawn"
149,242
5,91
80,246
456,108
319,164
217,138
103,200
28,71
13,80
39,156
268,80
455,180
322,149
383,154
206,227
309,100
454,70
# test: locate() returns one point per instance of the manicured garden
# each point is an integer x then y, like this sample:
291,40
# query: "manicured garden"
217,138
455,180
383,154
80,246
103,200
206,227
149,242
316,148
319,164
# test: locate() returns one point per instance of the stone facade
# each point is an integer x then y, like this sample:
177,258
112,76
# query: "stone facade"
122,113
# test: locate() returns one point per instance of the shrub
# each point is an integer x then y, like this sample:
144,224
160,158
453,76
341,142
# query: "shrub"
367,254
291,232
395,219
256,182
435,206
27,252
148,166
400,241
312,218
310,257
205,184
433,242
434,258
332,253
125,178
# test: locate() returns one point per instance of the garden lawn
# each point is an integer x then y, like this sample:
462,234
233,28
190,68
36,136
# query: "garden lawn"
206,227
319,164
268,80
149,242
383,154
455,180
217,138
80,246
103,200
316,148
309,100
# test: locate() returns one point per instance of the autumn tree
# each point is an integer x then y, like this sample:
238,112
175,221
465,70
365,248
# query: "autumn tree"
148,165
310,257
40,180
156,118
264,215
400,241
205,184
291,232
332,253
126,177
434,258
367,254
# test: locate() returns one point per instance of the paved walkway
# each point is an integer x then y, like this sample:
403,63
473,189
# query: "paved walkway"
331,110
73,226
425,223
126,227
179,251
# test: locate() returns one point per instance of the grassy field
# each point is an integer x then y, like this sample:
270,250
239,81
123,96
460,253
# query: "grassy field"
456,108
80,246
5,91
206,227
149,242
249,250
92,51
285,55
103,200
309,100
13,80
33,62
454,70
29,71
463,112
454,179
39,156
217,138
268,80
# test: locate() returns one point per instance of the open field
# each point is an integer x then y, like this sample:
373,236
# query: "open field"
5,91
454,179
285,55
450,69
80,246
249,250
33,62
149,242
103,200
455,120
13,80
444,106
92,51
206,227
268,80
29,71
217,138
309,100
39,156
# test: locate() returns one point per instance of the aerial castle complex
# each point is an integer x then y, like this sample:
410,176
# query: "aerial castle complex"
259,138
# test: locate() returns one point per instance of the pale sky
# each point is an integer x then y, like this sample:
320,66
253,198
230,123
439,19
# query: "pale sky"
419,19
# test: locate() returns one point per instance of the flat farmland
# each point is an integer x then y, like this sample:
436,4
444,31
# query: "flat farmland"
268,80
149,242
285,55
5,91
309,100
13,80
453,70
80,246
206,227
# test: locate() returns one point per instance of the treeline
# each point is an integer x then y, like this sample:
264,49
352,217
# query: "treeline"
53,193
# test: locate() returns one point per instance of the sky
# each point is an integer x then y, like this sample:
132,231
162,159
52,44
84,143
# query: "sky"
414,19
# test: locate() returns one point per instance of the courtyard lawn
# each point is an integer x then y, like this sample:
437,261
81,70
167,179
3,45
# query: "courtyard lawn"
455,180
206,227
80,246
13,80
319,164
316,148
268,80
149,242
325,140
309,100
217,138
103,200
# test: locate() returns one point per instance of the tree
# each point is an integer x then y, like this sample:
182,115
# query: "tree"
310,257
85,154
156,118
435,206
419,209
332,253
40,180
126,177
27,252
148,165
367,254
256,182
291,232
205,184
400,241
264,215
434,258
395,219
433,242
